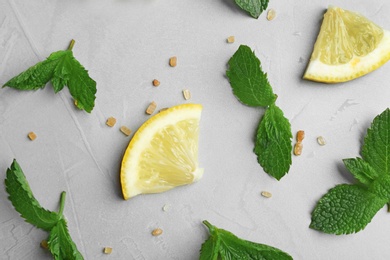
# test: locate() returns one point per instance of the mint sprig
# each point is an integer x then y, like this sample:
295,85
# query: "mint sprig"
62,69
253,7
348,208
223,245
251,87
20,194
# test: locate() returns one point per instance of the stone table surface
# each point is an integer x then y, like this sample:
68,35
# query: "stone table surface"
125,44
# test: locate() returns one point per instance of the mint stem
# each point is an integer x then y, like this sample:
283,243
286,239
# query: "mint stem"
62,203
71,44
388,207
209,226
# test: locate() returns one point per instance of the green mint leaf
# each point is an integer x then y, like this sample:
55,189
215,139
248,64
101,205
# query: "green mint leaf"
273,143
224,245
249,83
22,198
253,7
35,77
346,209
81,86
361,170
60,243
376,147
62,69
24,201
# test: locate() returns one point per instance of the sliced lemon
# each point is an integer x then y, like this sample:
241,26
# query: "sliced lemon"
163,153
348,46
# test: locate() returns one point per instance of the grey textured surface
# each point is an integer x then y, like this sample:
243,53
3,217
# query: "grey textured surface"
125,44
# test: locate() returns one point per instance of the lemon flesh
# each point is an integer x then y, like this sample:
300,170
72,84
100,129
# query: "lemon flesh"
348,46
163,153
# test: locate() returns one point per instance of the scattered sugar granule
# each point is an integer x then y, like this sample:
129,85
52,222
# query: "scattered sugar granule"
321,141
32,136
151,108
186,94
44,244
230,39
298,149
166,207
300,136
107,250
266,194
125,130
111,121
157,232
156,83
163,109
271,14
173,61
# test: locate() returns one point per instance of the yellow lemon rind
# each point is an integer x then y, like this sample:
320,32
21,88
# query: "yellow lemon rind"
357,67
171,116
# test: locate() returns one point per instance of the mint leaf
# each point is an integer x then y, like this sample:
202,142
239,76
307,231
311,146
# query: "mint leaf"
249,83
22,198
60,243
24,201
62,69
253,7
35,77
376,147
224,245
361,170
346,209
273,142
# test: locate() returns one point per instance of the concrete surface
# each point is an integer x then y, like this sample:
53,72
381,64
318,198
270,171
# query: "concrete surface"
125,44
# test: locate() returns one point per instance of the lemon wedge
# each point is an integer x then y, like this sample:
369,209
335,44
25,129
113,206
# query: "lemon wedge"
348,46
163,153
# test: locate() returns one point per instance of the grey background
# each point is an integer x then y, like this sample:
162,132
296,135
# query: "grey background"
125,44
